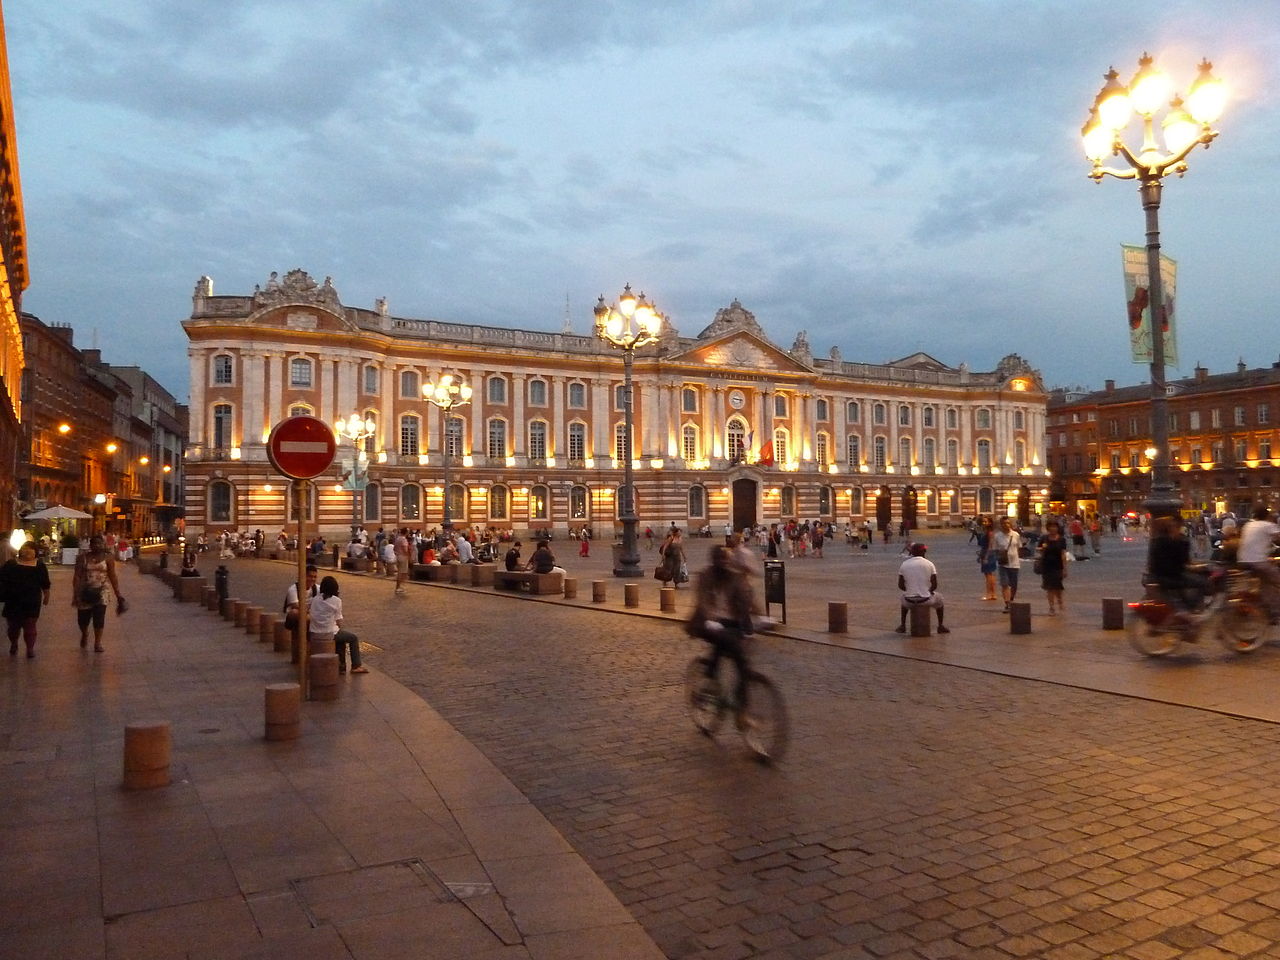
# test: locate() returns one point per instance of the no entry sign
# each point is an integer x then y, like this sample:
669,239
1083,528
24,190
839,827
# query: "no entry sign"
301,447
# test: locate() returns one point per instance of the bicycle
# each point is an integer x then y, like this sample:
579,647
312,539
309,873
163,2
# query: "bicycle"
709,698
1157,626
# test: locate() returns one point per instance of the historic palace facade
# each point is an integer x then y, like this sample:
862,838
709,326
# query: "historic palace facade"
728,426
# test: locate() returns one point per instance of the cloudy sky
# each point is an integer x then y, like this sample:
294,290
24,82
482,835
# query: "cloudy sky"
889,176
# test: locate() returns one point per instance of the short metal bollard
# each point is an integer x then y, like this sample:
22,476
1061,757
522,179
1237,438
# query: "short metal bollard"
837,616
1112,613
570,588
147,746
667,599
322,671
1019,617
921,622
599,591
631,594
283,711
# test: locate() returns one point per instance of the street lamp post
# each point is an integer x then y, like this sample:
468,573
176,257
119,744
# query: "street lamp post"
357,429
630,323
447,393
1186,124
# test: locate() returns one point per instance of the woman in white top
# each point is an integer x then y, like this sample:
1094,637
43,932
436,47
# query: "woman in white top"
324,614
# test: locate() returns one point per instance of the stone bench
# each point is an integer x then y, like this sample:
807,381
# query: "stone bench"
535,583
356,564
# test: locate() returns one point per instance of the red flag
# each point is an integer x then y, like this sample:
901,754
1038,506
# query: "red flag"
766,454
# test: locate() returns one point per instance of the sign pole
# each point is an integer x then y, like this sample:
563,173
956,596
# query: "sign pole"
304,647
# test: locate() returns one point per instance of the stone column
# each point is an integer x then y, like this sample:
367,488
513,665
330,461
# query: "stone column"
557,436
198,360
347,398
275,387
479,440
327,407
519,429
601,419
253,367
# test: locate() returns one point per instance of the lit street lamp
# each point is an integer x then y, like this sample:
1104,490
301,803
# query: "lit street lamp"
1186,124
447,393
357,429
630,323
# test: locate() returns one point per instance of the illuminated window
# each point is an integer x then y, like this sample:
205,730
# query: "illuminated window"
577,441
788,502
736,439
497,445
780,446
411,502
538,439
853,451
409,436
579,503
453,437
222,370
539,505
820,447
689,441
929,453
880,454
498,500
621,449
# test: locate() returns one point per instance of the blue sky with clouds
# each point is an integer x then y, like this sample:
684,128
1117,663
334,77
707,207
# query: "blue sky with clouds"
889,176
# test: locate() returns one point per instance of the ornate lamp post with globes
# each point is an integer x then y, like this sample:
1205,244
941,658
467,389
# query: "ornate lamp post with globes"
630,323
356,429
1186,124
447,393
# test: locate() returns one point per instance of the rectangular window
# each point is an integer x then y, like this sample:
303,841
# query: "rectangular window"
821,410
1239,416
1133,426
779,405
299,372
853,411
929,453
497,446
577,441
983,419
1134,459
578,396
1173,423
1113,428
953,419
689,439
620,396
1197,455
853,451
1115,459
1242,451
497,390
538,440
371,380
621,449
1193,420
409,436
453,437
1018,420
904,416
1079,461
537,393
879,415
1215,451
222,370
1264,448
984,454
953,453
689,400
820,449
1264,413
927,417
880,454
780,447
1093,461
1215,417
409,384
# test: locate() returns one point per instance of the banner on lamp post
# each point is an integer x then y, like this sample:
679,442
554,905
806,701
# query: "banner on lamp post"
1137,298
354,475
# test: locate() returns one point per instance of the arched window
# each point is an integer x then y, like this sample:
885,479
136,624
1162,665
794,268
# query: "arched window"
880,454
986,500
736,440
300,410
853,451
453,437
697,501
821,409
220,500
779,404
409,384
931,501
853,411
621,449
780,447
953,454
1019,453
577,395
221,426
620,396
930,453
538,439
300,372
928,417
983,418
370,384
577,441
878,415
539,503
689,400
689,441
855,500
537,393
457,502
904,415
411,502
222,368
579,503
826,502
904,452
953,418
373,503
821,449
984,454
499,501
497,447
409,436
371,441
788,503
497,390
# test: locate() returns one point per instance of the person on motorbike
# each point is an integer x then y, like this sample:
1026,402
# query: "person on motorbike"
1169,564
1257,541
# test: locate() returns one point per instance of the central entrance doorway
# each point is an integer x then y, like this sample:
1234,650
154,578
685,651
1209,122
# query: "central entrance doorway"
746,504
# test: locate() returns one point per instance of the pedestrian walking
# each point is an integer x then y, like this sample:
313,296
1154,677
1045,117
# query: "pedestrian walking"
24,585
402,558
671,568
1008,544
94,572
987,559
1051,559
584,542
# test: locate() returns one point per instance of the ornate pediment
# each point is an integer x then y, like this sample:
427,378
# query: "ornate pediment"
745,352
734,317
918,361
296,301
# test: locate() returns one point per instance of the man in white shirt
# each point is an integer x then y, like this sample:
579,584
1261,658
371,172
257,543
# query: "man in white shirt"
466,553
1257,539
918,581
1008,543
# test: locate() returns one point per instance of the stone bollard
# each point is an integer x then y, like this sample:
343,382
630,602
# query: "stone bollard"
322,670
570,588
920,619
281,638
238,608
1019,617
209,598
146,755
631,594
667,599
317,647
599,591
267,627
283,710
837,616
252,619
226,607
1112,613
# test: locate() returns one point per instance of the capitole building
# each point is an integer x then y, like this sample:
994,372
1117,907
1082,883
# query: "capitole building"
729,427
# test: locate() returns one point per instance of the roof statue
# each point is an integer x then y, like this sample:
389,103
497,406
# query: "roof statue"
800,348
296,286
732,318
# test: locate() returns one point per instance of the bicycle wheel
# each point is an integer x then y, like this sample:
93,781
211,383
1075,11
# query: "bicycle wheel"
1149,640
766,727
1242,625
703,697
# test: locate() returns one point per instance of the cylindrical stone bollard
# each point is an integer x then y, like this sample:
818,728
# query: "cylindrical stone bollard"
920,622
316,647
570,588
837,616
214,603
631,594
267,627
207,594
1019,617
283,710
599,591
226,607
252,615
667,599
147,746
1112,613
281,637
322,671
238,608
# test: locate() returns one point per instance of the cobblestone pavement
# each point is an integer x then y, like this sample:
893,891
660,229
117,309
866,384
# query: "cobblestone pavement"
923,811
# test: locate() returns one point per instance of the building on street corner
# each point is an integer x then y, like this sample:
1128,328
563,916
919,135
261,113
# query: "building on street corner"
13,280
729,427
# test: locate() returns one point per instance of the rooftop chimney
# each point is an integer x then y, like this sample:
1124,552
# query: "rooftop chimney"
1109,386
1202,374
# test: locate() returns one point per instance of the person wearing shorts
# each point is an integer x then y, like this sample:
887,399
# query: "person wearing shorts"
1008,543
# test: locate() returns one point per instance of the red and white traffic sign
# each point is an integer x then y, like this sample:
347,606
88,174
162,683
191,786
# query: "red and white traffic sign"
301,447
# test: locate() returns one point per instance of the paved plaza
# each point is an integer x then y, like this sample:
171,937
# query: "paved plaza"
975,795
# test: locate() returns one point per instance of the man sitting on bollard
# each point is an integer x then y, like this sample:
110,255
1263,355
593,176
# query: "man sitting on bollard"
291,598
918,581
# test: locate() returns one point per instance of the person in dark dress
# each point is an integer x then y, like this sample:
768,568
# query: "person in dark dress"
24,584
1053,565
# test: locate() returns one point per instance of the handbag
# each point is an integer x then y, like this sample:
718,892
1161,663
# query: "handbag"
657,572
1037,567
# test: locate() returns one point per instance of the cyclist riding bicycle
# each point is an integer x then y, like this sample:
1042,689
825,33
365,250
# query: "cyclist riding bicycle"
1170,564
722,617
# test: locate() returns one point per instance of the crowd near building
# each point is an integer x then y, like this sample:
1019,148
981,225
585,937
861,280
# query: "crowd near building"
729,427
1222,438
